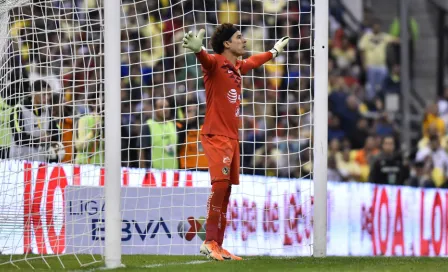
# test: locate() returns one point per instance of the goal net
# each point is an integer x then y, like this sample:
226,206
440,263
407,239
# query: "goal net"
52,131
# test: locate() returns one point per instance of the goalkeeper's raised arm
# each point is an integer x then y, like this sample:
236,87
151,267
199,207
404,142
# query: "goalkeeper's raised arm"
219,136
228,41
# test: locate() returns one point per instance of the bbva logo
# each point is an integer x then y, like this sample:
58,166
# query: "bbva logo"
189,229
129,227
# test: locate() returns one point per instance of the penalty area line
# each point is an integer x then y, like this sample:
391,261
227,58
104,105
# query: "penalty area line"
160,265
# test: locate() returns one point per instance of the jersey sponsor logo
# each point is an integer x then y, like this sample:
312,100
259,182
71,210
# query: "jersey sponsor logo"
226,160
232,96
225,170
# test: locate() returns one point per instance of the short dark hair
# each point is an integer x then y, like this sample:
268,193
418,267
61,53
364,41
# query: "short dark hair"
39,85
220,36
383,140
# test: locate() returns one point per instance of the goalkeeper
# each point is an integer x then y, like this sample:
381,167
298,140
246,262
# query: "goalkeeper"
219,136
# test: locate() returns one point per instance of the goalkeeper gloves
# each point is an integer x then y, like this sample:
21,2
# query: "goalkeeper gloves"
192,42
278,47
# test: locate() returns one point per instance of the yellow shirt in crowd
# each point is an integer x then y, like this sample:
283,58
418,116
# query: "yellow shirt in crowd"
349,168
228,13
374,47
433,119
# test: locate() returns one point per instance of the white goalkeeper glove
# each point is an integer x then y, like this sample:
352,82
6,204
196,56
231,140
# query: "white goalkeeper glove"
278,47
192,42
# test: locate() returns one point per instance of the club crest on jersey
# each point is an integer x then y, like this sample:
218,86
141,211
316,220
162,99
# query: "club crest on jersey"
232,96
225,170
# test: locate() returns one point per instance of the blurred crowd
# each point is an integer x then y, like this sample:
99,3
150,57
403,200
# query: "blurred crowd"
53,91
364,110
55,82
363,133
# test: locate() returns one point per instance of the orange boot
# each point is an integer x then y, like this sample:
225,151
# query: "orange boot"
229,256
212,250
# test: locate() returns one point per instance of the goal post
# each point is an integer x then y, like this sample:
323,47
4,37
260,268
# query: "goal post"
112,138
320,127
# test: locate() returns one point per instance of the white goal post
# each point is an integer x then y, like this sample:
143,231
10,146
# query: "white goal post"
112,139
320,127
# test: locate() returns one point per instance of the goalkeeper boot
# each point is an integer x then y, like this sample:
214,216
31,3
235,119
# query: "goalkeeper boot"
212,250
229,256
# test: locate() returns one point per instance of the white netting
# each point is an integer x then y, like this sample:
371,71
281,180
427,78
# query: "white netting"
52,92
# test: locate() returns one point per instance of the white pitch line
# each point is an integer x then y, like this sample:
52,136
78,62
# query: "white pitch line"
168,264
157,265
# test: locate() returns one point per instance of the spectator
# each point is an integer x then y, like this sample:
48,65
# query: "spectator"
254,36
437,156
335,149
384,127
346,144
191,153
152,50
159,139
373,50
130,131
359,135
350,114
252,139
40,69
334,129
31,125
348,168
432,117
335,82
89,140
365,156
388,167
391,84
443,106
345,55
421,176
432,131
17,74
333,173
63,116
228,12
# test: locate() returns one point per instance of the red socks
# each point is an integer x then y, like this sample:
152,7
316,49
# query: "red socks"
223,224
217,210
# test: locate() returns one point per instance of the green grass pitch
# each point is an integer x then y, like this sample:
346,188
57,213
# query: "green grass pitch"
198,263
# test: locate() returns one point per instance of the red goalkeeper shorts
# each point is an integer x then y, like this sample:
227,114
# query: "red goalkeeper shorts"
223,155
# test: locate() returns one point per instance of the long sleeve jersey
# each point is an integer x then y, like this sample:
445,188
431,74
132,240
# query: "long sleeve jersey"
223,91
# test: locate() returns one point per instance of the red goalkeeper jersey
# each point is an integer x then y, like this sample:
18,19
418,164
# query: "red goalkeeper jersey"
223,91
